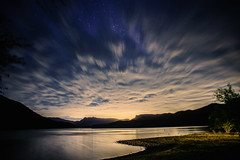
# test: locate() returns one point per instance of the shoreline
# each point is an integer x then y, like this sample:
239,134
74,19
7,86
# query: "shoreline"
194,146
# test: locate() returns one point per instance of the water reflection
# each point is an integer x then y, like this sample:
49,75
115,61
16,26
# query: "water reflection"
81,144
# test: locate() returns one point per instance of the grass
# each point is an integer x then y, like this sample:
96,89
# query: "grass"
196,146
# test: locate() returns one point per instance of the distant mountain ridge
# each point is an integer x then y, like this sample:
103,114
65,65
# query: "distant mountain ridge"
196,117
15,115
91,121
86,122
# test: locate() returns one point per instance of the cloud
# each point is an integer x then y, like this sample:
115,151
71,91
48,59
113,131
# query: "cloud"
93,104
149,95
38,109
98,101
132,82
105,100
132,98
117,49
142,100
155,52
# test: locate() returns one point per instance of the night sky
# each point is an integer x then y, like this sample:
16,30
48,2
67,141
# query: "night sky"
121,58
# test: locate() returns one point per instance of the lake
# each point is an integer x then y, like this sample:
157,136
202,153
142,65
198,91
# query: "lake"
78,143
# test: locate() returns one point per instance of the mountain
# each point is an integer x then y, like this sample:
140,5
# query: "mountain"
61,120
15,115
91,121
86,122
182,118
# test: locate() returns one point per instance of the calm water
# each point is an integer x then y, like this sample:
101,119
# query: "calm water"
79,144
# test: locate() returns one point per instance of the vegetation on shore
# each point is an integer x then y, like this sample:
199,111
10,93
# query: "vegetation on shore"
226,117
196,146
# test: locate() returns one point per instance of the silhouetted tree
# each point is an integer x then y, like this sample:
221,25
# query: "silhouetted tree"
226,95
226,117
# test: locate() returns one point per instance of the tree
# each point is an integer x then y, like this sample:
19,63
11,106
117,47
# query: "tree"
226,95
219,117
227,116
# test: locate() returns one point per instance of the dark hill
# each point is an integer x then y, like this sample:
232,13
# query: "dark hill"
86,122
91,121
15,115
61,120
196,117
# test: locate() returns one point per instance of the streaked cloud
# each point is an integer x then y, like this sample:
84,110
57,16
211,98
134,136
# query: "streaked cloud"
145,58
149,95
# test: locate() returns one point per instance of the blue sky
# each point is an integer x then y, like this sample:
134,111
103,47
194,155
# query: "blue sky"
121,58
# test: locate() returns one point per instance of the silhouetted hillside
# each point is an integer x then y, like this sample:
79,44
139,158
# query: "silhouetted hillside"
14,115
86,122
61,120
91,121
183,118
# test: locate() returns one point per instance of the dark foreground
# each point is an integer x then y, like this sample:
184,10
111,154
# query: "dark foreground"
197,146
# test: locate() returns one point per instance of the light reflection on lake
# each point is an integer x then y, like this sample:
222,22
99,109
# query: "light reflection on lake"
79,144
